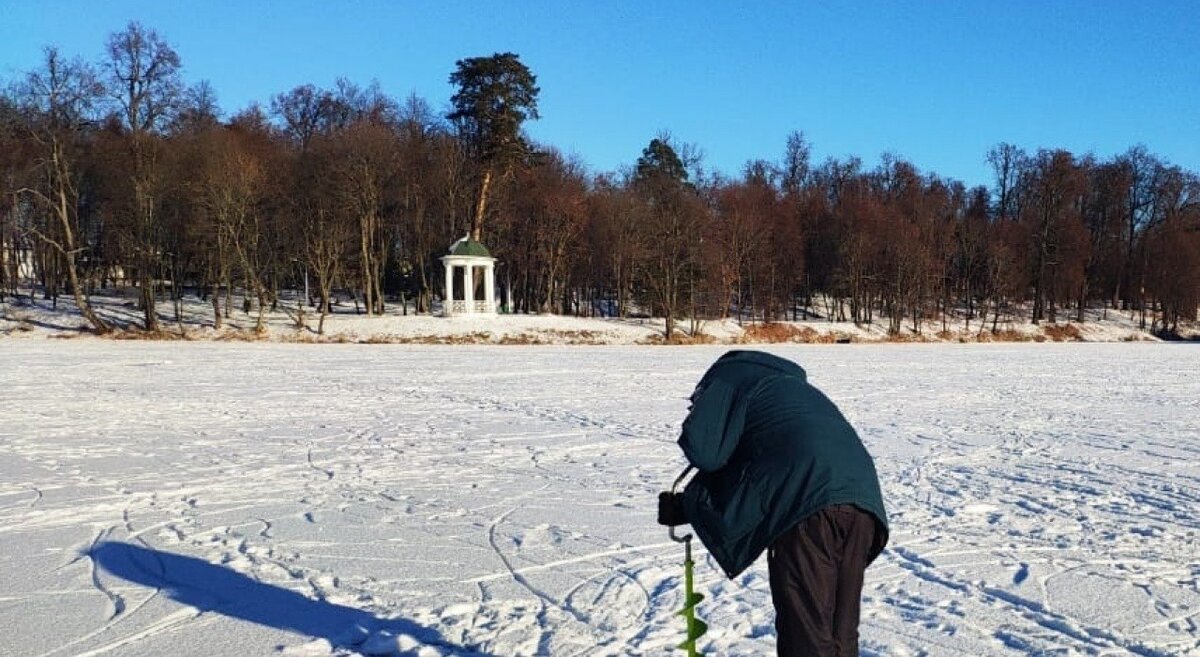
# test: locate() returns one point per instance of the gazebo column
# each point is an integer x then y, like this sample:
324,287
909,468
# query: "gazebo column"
448,300
489,286
468,289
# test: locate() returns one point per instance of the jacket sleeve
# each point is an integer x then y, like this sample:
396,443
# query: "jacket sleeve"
713,428
729,523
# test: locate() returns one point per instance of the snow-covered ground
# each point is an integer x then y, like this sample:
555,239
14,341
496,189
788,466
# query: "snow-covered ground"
39,318
200,498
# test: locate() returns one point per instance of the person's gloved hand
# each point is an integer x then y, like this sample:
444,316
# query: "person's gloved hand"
670,509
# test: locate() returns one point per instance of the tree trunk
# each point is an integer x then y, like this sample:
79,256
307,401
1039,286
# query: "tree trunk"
481,207
216,304
364,233
149,301
69,252
260,326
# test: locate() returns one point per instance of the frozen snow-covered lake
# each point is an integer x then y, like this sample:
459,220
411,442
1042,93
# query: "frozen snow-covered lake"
255,499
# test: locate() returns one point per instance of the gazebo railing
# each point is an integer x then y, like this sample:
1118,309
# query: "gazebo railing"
460,307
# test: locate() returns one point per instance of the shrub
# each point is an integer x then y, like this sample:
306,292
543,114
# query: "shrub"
1063,333
774,333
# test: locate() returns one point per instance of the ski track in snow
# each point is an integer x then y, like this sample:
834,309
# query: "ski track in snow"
481,501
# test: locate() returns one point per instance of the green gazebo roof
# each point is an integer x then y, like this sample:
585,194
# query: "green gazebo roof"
469,247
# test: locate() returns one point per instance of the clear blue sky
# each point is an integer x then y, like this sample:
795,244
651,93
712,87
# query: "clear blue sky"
937,82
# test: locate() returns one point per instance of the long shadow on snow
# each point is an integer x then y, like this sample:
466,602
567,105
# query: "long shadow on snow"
212,588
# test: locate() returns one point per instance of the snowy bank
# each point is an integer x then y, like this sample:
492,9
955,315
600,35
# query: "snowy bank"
39,318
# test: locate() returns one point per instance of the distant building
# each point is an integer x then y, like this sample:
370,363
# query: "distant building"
469,267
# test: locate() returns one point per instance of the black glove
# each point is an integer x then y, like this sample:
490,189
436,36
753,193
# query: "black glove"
670,509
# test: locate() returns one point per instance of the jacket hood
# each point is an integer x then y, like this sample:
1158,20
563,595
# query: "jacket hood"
741,365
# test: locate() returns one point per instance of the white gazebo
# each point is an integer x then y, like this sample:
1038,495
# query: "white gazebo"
469,256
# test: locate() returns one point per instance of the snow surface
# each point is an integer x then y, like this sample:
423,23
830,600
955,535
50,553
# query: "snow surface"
199,498
39,318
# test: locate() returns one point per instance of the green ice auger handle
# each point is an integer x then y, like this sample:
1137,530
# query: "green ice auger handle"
671,529
695,627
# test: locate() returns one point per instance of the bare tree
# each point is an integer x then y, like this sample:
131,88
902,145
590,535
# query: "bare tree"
326,228
60,101
615,240
551,211
1007,161
232,185
1144,171
304,111
144,80
427,181
12,142
1172,271
1056,189
365,170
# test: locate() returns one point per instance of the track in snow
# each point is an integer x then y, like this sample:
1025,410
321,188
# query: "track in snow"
1045,499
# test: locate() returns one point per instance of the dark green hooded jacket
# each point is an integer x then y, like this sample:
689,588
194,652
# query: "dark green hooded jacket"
770,450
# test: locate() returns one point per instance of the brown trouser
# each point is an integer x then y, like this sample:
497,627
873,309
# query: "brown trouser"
816,573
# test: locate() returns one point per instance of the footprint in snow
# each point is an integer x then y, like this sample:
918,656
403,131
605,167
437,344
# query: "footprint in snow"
1021,575
381,643
386,642
543,535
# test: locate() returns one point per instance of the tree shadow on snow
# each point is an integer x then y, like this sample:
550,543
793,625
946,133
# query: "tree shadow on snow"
213,588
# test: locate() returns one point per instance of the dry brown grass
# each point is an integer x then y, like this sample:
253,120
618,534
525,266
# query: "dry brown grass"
554,336
581,336
961,337
521,339
479,337
967,337
302,338
241,335
1052,332
336,338
1004,335
679,338
141,334
383,338
1063,333
906,338
774,333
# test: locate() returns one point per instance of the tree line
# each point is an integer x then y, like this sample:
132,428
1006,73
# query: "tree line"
118,173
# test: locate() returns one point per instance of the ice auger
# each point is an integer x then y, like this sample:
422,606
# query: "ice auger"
695,627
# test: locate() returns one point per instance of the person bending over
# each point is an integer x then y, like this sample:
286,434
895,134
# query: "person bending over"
780,469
